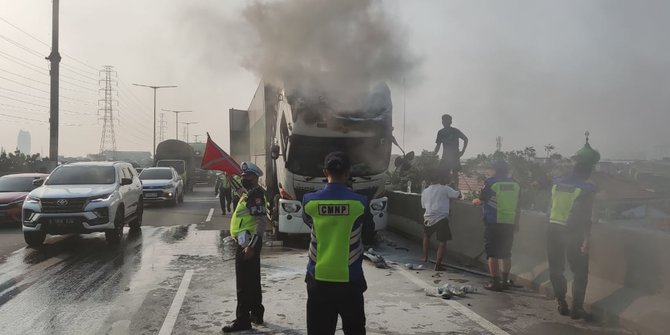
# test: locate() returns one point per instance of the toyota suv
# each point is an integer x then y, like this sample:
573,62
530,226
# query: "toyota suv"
84,198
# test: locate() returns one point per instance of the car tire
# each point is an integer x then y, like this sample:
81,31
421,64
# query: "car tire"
34,239
114,236
136,223
181,197
174,201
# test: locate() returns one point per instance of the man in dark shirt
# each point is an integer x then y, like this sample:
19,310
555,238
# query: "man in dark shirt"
448,137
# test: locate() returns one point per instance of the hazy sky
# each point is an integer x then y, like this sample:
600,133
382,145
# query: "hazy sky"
533,72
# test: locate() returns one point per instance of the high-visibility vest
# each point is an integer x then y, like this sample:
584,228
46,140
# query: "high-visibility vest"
223,181
333,221
505,201
242,219
563,198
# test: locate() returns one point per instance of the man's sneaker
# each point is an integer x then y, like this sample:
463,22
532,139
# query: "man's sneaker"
257,320
563,308
236,326
580,313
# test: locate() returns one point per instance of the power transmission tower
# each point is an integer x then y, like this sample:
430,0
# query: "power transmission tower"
108,139
162,124
499,140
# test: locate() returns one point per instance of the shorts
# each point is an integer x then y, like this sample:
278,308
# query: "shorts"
498,240
451,163
442,229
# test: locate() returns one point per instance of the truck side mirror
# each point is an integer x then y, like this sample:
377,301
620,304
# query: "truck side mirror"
274,151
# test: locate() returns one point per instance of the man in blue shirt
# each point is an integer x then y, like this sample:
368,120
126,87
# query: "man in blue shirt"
500,199
568,236
335,281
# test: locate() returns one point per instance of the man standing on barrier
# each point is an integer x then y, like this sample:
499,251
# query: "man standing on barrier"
335,281
247,226
500,198
569,231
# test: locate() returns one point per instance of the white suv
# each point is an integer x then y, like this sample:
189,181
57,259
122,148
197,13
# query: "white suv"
84,198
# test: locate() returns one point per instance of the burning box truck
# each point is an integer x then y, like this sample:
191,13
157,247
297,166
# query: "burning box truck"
288,135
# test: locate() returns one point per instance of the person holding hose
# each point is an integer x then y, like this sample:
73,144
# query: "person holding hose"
247,226
335,280
500,198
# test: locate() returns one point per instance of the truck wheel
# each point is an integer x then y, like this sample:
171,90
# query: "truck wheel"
114,236
137,221
34,239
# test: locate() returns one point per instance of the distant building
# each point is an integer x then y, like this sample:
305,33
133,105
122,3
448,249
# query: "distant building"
23,143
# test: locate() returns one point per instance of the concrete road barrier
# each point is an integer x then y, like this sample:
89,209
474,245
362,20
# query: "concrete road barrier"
629,277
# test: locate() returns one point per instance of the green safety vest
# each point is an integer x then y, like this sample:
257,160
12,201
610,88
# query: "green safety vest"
333,221
563,198
506,201
242,219
223,181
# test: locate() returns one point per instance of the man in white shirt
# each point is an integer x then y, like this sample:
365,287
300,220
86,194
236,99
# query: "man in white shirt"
435,200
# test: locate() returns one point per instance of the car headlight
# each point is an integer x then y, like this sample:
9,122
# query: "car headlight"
101,198
33,200
290,207
378,206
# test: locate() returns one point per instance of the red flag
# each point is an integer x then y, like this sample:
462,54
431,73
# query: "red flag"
217,159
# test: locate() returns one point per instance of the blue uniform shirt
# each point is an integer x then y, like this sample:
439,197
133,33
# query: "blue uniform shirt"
334,191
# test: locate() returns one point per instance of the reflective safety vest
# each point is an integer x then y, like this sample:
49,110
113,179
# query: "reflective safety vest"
563,198
506,201
333,221
242,219
224,182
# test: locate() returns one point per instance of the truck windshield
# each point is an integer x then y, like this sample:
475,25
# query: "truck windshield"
153,174
180,166
82,175
369,155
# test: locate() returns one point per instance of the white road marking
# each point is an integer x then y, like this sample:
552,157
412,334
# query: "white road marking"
171,318
474,317
209,216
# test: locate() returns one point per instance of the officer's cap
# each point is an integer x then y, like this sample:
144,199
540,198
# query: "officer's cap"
337,162
251,168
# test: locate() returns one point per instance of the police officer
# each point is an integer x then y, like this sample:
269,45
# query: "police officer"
500,198
568,236
247,226
335,281
222,188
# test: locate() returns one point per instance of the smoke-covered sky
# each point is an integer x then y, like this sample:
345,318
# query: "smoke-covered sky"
533,72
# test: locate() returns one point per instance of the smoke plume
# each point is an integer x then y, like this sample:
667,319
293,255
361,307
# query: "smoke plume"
340,47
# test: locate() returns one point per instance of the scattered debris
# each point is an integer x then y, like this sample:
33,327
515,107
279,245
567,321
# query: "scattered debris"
375,258
411,266
274,243
402,248
437,281
449,291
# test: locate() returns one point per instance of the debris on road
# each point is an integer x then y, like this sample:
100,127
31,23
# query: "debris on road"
375,258
448,291
410,266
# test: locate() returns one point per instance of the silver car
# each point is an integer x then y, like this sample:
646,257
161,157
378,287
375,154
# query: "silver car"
84,198
162,184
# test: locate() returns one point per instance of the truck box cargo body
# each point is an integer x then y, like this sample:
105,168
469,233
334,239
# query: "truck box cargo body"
289,140
179,155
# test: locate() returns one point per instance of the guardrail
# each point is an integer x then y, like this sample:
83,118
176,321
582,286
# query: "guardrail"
629,277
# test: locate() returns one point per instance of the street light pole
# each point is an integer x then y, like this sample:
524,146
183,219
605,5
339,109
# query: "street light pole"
176,123
187,124
54,72
154,87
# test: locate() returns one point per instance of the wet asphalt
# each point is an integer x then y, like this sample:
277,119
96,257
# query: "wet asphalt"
81,285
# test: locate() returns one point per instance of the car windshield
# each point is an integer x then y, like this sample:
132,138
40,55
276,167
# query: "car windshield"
153,174
369,155
16,184
82,175
180,166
